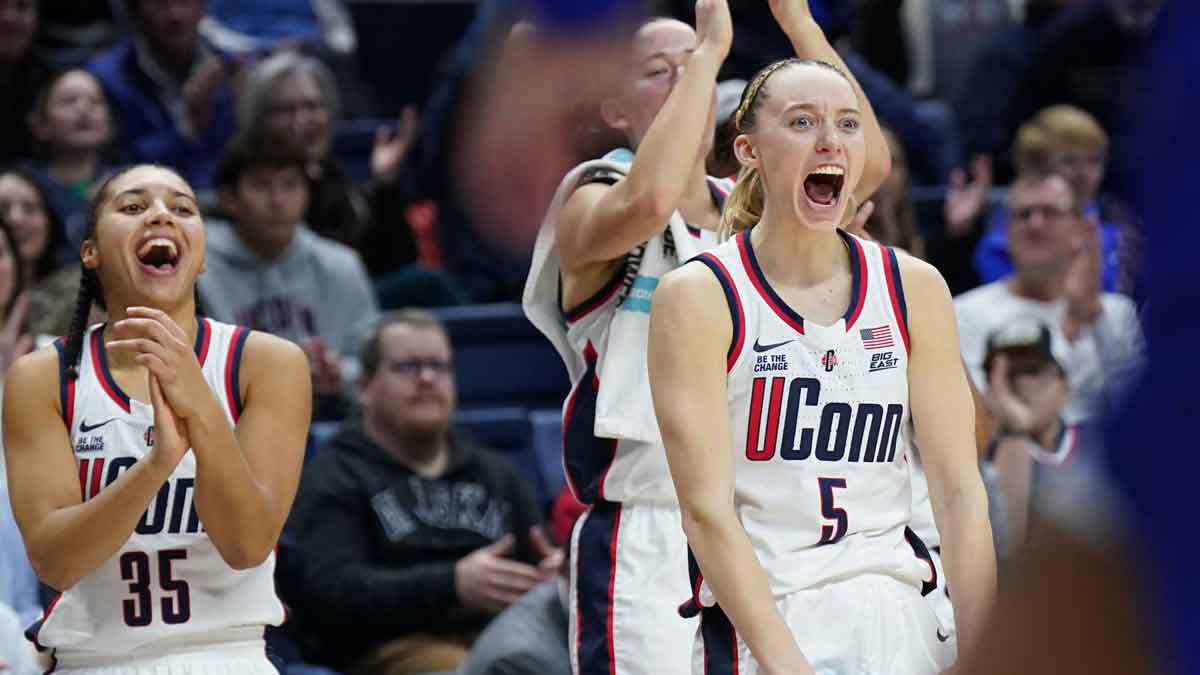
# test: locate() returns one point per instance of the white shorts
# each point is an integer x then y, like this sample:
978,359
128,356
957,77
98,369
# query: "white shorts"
940,600
868,625
629,575
240,652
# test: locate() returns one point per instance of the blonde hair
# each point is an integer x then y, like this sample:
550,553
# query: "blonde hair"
1071,125
1052,127
744,205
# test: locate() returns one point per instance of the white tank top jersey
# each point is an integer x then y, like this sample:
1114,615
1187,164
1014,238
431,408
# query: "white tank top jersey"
167,583
615,469
817,417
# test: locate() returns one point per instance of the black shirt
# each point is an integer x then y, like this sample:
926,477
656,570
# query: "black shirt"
377,543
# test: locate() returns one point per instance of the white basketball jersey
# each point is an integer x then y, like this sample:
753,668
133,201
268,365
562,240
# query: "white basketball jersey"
614,469
817,416
167,582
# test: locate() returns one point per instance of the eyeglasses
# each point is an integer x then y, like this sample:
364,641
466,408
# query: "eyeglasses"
414,367
1047,211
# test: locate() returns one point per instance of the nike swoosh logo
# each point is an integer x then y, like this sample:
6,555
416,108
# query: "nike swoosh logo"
84,427
940,637
767,348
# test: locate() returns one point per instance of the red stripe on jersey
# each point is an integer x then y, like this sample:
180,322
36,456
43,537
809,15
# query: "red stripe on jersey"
895,294
203,338
860,299
771,439
83,476
758,279
736,313
612,585
232,359
100,365
97,472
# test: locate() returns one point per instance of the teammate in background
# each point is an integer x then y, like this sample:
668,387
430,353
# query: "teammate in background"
153,459
799,343
615,226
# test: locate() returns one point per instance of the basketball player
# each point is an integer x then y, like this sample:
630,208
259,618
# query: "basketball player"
610,243
153,459
800,343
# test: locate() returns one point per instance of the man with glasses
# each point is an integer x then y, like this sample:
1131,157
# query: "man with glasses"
1056,279
411,538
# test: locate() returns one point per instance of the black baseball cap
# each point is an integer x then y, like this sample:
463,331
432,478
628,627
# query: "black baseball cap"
1023,338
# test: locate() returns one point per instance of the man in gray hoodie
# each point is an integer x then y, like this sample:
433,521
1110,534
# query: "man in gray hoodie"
268,271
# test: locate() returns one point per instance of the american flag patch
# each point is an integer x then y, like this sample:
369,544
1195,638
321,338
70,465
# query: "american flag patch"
879,337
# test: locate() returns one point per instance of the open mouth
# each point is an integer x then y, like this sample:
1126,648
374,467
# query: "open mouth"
823,187
159,255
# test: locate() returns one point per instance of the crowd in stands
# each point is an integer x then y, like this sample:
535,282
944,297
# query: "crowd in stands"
325,212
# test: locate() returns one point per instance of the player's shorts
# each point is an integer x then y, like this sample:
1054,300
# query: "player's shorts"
868,625
230,652
629,575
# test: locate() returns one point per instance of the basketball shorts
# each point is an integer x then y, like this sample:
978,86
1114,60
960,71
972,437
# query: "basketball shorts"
236,652
868,625
629,574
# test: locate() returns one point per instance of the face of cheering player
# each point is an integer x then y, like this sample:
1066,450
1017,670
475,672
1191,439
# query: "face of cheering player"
412,391
660,52
148,244
268,205
1042,223
807,143
298,109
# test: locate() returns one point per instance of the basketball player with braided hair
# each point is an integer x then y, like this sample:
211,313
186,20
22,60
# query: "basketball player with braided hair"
784,366
153,458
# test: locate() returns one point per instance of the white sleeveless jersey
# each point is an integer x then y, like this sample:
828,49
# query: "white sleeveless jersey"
614,469
817,417
167,583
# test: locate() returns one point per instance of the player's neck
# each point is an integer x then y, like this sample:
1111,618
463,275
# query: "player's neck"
798,256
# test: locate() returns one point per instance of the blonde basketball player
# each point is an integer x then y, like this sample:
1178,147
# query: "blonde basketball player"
807,348
153,458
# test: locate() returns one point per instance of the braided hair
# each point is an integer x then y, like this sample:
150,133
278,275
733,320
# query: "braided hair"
90,290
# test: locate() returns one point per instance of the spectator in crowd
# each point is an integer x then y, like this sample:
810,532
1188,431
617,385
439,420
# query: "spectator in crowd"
1088,59
1070,142
411,536
18,585
1056,280
22,73
950,249
268,271
530,637
943,38
73,126
295,95
172,92
1026,393
983,112
40,239
73,30
893,221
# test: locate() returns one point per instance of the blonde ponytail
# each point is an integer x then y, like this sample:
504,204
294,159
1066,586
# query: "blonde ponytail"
744,205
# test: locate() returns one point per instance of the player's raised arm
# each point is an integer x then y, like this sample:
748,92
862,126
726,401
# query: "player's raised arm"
943,417
601,223
690,332
66,537
809,41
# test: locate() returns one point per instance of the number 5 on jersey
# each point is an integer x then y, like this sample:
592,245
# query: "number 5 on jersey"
841,521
